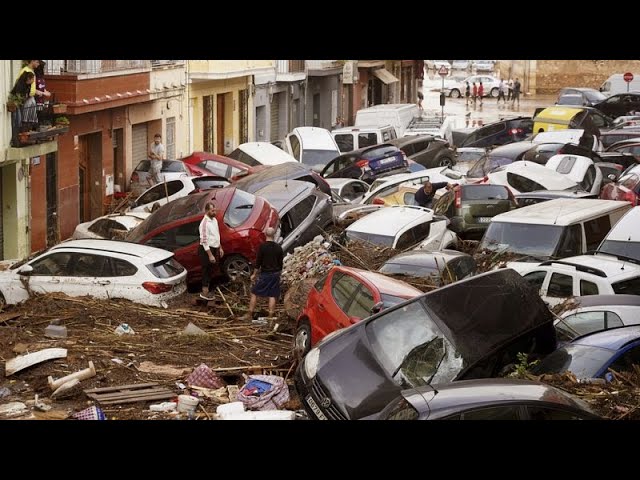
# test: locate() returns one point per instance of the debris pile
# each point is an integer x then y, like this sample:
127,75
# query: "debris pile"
308,261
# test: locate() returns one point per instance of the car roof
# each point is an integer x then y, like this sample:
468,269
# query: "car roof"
539,173
580,89
315,138
399,142
613,338
561,211
389,220
384,284
147,254
129,220
553,194
197,157
600,264
360,128
274,172
607,300
283,192
627,227
266,152
422,258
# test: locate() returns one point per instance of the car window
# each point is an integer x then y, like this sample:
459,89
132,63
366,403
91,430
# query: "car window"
122,268
319,285
484,192
523,184
626,361
599,120
90,265
348,191
627,287
302,210
405,240
505,412
589,178
409,198
588,288
585,322
159,192
172,166
208,183
54,264
295,146
388,135
239,209
362,303
167,268
216,168
343,288
629,181
367,139
545,413
107,228
595,230
287,225
344,141
536,279
566,165
463,267
176,237
143,166
560,285
571,241
243,157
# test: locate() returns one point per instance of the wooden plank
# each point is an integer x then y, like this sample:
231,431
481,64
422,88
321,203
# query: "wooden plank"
9,316
121,387
110,396
24,361
138,399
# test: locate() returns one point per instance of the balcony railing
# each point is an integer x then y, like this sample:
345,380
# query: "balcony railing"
323,64
36,123
166,63
289,66
93,67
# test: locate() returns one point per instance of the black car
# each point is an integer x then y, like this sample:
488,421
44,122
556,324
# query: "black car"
368,163
500,133
620,104
284,171
426,150
542,152
445,266
490,399
584,97
612,137
469,329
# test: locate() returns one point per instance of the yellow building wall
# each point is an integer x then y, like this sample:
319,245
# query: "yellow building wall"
226,66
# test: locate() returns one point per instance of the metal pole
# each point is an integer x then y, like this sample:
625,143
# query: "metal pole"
442,106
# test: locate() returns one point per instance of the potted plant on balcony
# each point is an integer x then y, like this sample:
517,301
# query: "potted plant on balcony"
62,122
14,102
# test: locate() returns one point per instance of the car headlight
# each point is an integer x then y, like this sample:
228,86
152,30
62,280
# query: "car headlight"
311,361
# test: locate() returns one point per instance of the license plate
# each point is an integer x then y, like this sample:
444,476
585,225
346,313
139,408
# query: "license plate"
384,161
314,406
483,219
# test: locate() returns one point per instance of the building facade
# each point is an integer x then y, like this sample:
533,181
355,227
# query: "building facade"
324,94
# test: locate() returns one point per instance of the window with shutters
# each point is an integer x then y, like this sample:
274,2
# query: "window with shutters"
171,138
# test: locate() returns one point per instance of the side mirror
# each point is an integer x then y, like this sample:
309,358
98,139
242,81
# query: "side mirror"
25,270
377,308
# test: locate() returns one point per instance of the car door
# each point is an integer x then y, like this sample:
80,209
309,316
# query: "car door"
124,283
560,287
302,228
333,310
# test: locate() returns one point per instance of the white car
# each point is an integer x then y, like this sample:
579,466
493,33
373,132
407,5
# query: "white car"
572,135
260,153
597,274
100,268
580,169
163,193
624,236
312,146
483,65
141,178
523,177
402,227
349,189
109,227
490,86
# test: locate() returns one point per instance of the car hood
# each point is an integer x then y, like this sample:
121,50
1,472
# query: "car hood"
480,316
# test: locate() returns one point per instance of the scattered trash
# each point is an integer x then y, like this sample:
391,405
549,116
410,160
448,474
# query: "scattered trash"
91,413
20,348
20,363
310,260
264,392
261,415
80,375
203,376
187,403
168,370
259,321
117,360
40,406
55,331
129,393
219,395
191,329
4,392
124,329
67,390
229,408
164,407
181,386
13,409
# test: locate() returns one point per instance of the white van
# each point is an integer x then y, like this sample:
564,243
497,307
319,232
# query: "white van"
312,146
624,237
355,138
615,84
555,229
399,115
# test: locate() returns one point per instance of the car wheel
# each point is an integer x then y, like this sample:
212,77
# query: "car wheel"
455,93
494,92
3,302
302,339
236,267
445,162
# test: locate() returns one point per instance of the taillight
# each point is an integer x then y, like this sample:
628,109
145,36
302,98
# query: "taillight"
362,163
157,287
458,197
516,131
378,201
631,197
135,177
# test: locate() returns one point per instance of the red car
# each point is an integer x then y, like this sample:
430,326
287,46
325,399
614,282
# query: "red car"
627,188
203,163
242,219
344,297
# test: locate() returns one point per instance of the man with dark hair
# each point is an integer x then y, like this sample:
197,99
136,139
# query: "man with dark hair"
209,250
424,196
269,264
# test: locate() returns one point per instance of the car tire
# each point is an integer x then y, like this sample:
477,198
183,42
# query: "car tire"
445,161
236,267
455,93
3,301
494,92
302,338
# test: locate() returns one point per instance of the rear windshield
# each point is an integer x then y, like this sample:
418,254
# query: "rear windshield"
410,270
167,166
627,287
371,237
625,248
378,152
243,157
105,227
594,96
239,209
391,300
484,192
166,268
582,360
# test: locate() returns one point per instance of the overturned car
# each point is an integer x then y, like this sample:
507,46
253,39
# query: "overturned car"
469,329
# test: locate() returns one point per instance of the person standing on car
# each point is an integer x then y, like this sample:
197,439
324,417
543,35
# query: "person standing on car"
269,266
467,93
424,196
156,155
516,91
209,249
480,92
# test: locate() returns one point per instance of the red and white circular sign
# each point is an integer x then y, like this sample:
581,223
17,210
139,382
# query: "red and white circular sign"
628,77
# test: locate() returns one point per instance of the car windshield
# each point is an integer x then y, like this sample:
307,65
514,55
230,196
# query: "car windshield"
411,347
629,249
486,165
524,238
318,159
584,361
239,209
371,238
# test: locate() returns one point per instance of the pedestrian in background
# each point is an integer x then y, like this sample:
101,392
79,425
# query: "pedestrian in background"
480,92
502,88
209,250
467,93
516,92
474,93
510,89
268,269
156,155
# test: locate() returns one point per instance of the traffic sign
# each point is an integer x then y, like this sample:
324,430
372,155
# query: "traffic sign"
443,71
628,77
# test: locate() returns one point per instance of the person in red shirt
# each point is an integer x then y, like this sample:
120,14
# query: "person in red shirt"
474,93
480,92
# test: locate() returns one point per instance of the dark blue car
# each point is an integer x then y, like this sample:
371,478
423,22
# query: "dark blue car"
592,355
368,163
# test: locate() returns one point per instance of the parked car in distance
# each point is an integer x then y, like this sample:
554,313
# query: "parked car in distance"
620,104
461,331
561,117
242,220
343,297
426,150
626,189
593,313
631,146
502,132
443,267
103,269
487,399
170,170
349,139
623,238
109,227
584,97
221,166
254,154
616,84
461,65
348,189
285,171
483,65
531,198
615,137
490,85
166,192
594,354
367,163
304,211
467,157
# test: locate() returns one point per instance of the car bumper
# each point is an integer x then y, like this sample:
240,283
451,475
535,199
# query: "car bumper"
314,397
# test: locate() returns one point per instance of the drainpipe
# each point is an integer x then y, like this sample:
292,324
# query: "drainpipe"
306,87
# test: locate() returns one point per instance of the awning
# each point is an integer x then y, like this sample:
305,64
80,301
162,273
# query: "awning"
385,75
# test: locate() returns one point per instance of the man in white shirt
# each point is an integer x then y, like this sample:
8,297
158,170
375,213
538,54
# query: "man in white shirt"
156,155
209,250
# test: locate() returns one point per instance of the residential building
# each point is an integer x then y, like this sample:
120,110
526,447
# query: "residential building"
325,101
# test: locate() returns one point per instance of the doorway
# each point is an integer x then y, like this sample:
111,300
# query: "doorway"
220,125
90,173
53,235
119,172
316,109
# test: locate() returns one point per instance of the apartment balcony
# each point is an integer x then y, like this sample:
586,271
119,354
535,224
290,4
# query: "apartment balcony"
91,85
290,70
203,70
